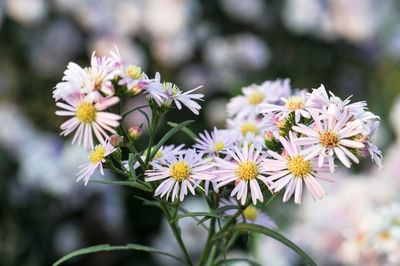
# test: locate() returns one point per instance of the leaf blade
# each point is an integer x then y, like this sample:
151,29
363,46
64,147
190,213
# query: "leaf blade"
123,183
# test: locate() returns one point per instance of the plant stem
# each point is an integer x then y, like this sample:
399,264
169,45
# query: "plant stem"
209,242
210,260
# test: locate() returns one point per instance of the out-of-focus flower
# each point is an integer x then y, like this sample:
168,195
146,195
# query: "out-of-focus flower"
87,117
26,11
215,111
250,215
216,143
254,125
395,117
244,171
96,158
291,170
248,11
181,173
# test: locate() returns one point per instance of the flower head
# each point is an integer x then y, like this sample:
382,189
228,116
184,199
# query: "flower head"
181,173
88,117
215,143
96,159
291,169
245,170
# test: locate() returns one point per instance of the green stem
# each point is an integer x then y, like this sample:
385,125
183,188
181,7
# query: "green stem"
209,242
210,260
154,121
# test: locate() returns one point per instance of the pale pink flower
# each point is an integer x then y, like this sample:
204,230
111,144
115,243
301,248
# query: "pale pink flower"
96,160
88,118
244,171
218,142
71,83
330,135
182,174
291,169
299,104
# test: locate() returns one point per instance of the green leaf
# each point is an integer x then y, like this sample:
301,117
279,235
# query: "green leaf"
124,183
124,114
107,247
169,134
219,210
146,116
184,129
131,165
190,214
232,261
273,234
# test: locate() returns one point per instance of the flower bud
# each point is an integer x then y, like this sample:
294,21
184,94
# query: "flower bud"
116,140
135,132
269,139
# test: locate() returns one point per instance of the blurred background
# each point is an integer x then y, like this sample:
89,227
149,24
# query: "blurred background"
352,47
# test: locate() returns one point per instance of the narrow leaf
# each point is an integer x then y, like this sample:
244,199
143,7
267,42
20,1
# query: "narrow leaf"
273,234
169,134
131,165
124,114
184,129
124,183
107,247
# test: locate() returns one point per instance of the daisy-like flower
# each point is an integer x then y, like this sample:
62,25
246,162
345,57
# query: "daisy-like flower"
254,125
88,118
329,136
96,160
248,104
291,169
244,171
299,104
71,85
182,174
215,143
170,93
250,215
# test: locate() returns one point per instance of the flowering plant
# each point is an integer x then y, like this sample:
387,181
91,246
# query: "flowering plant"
276,140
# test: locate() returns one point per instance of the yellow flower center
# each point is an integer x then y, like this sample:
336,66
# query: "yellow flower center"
134,72
298,167
250,213
97,154
219,146
294,103
159,154
384,235
247,170
179,170
329,139
256,98
86,112
249,127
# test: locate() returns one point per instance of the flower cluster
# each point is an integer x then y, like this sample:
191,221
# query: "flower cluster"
276,139
91,95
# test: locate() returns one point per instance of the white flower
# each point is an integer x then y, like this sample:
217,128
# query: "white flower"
96,158
217,142
71,85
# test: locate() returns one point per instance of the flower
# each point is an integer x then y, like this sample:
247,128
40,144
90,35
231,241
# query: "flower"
330,135
214,144
248,104
251,124
169,92
96,160
250,215
87,116
71,85
299,104
244,170
181,173
291,169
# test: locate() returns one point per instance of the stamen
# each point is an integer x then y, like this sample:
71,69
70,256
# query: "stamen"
298,167
86,112
329,139
250,213
256,98
247,170
249,127
97,154
180,170
294,103
219,146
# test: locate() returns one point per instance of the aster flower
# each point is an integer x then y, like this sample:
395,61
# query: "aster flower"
87,117
182,173
96,160
71,85
299,104
213,144
251,124
169,93
291,169
244,171
250,215
329,136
